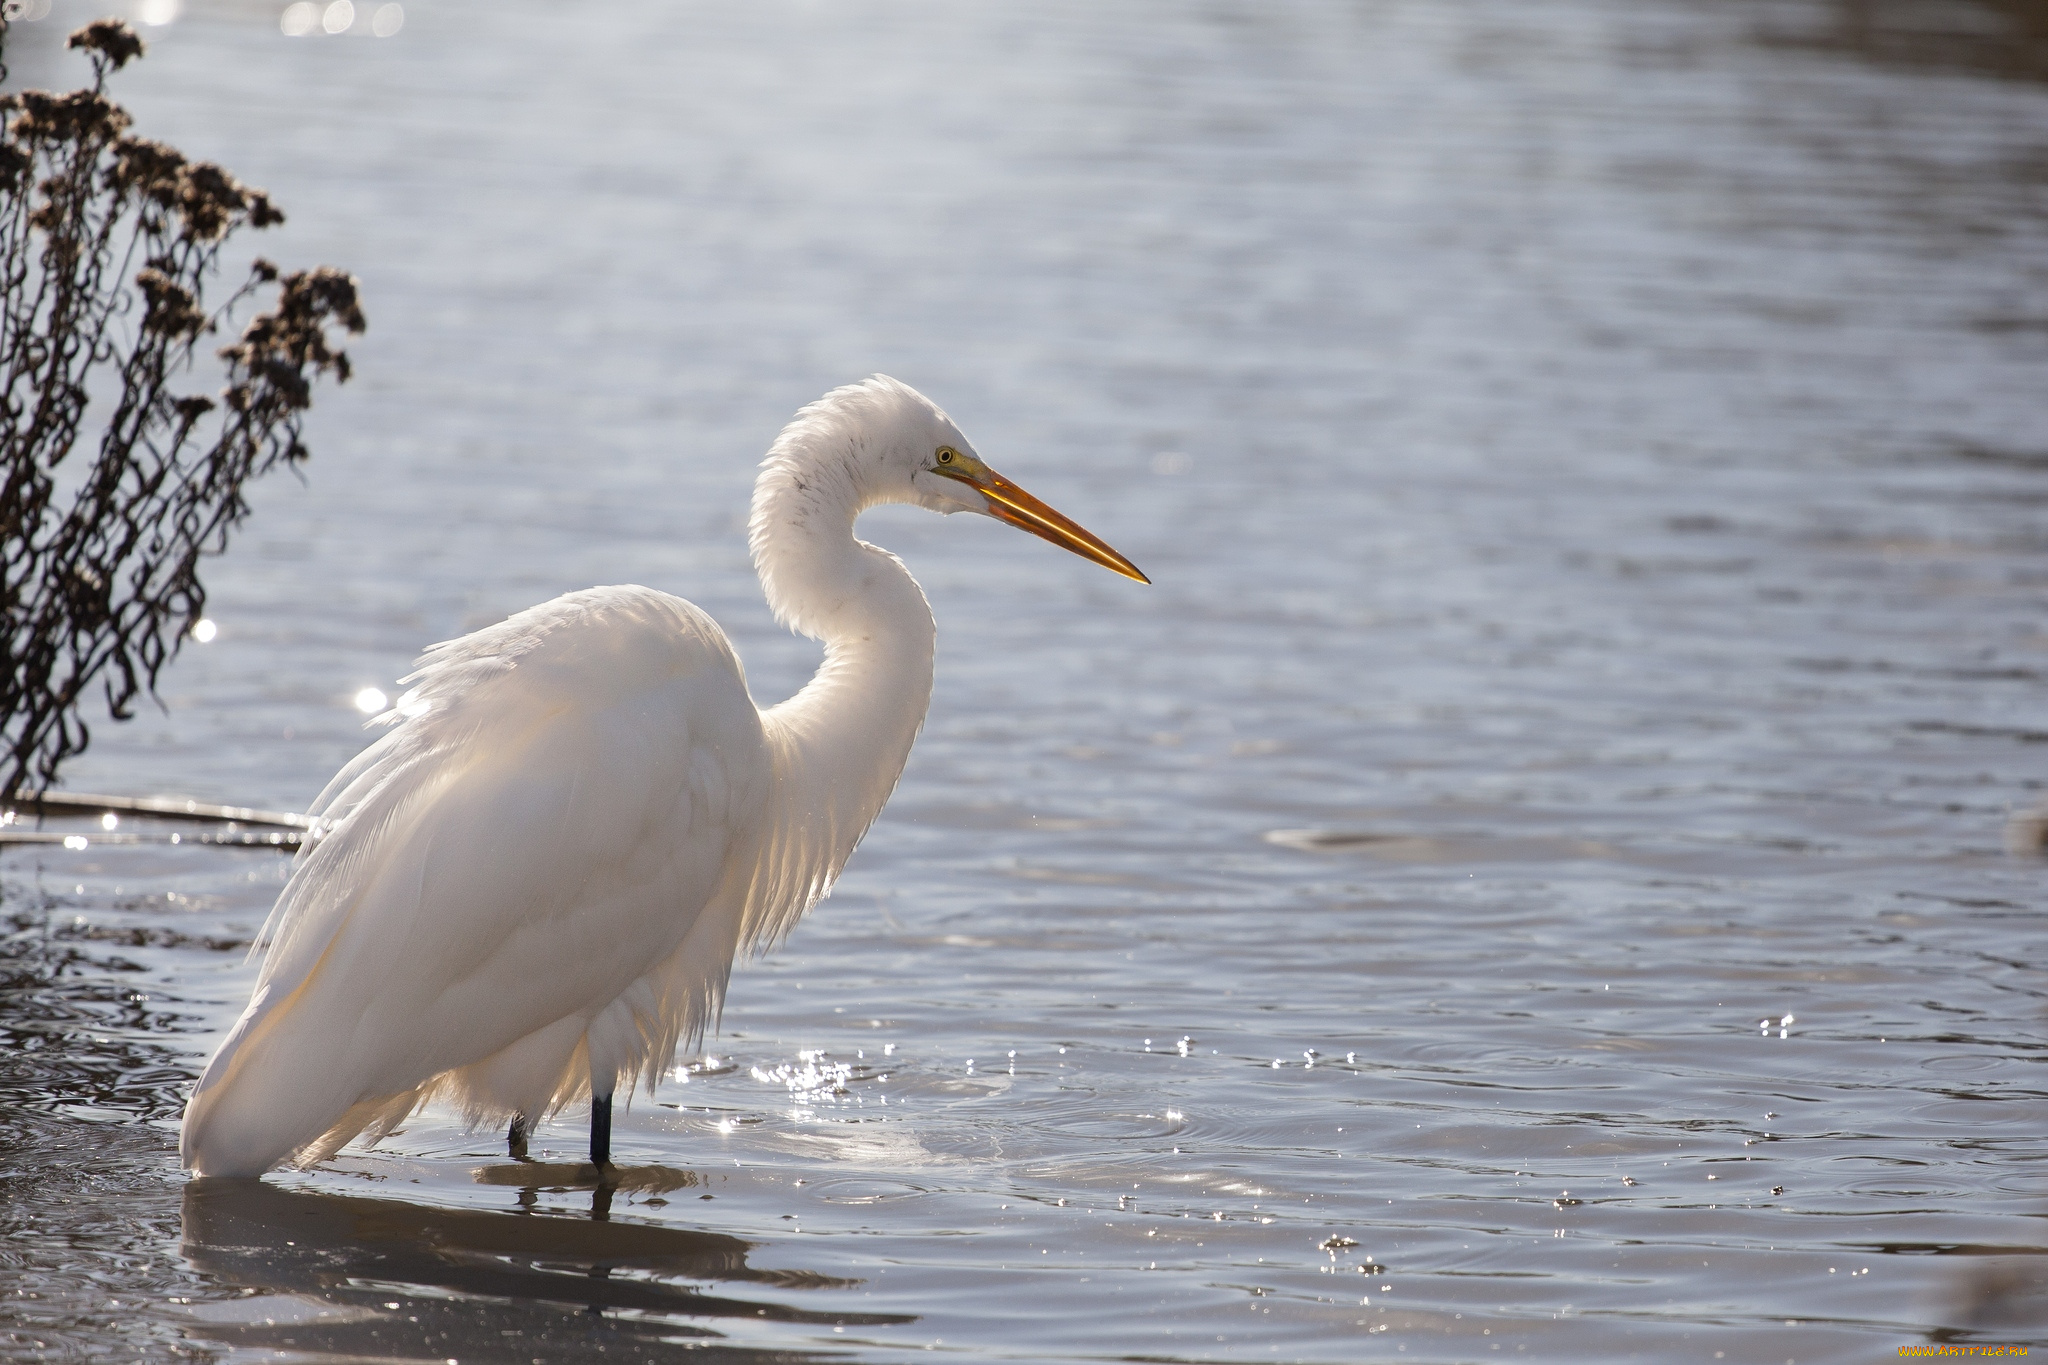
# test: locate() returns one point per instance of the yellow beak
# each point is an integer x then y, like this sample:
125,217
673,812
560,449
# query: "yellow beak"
1011,504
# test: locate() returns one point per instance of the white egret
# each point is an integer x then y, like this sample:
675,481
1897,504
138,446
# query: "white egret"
533,886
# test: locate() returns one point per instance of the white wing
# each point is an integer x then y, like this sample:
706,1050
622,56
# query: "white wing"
562,802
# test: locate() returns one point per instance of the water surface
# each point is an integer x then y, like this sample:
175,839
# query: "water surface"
1525,882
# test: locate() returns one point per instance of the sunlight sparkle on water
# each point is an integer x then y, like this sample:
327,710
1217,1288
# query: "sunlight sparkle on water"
304,18
204,631
370,701
812,1076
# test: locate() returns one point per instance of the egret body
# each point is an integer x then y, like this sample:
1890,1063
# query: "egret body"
532,887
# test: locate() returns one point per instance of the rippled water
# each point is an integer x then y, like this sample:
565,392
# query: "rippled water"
1526,882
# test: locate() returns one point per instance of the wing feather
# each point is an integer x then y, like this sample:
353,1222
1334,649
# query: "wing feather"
554,808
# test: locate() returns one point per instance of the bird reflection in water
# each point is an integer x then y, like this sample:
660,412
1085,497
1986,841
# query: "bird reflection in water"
348,1276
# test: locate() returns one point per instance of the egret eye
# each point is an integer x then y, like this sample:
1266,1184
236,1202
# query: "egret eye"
945,454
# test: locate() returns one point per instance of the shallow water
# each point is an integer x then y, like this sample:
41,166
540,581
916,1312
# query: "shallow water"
1526,882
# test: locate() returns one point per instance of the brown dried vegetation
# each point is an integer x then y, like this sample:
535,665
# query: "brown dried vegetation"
107,243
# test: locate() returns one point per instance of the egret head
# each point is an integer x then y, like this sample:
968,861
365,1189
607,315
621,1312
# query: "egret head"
916,453
881,441
961,475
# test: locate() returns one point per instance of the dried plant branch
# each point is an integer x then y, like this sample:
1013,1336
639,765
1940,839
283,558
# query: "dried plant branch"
107,244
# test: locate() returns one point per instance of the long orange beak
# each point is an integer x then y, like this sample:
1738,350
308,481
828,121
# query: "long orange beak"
1011,504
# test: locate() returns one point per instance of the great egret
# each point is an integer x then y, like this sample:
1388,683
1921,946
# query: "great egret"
533,886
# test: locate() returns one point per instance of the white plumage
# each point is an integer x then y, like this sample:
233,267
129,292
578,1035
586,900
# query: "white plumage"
533,885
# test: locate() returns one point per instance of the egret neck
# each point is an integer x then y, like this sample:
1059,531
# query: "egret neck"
840,743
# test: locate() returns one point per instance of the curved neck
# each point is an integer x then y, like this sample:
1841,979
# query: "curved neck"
839,745
851,726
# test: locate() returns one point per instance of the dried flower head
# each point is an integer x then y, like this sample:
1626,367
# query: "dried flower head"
111,39
147,167
277,347
263,213
77,116
208,200
170,309
15,164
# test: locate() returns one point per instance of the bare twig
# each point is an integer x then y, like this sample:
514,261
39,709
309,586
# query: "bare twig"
107,242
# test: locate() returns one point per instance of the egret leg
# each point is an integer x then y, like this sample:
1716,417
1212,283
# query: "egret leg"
601,1130
515,1139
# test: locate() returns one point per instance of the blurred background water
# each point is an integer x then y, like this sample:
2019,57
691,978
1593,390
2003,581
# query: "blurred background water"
1525,883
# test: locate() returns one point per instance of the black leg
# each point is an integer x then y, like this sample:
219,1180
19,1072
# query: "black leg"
515,1140
601,1131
